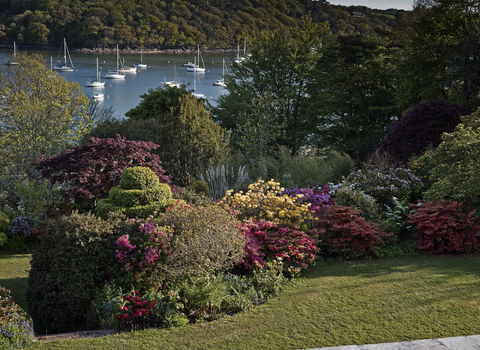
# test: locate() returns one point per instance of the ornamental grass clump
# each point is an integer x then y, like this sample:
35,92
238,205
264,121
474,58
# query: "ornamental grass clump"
15,326
266,201
446,227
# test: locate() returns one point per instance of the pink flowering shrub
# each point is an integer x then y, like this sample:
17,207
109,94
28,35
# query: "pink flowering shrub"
266,241
446,227
143,258
344,233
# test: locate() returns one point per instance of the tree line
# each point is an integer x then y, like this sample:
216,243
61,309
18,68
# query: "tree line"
174,23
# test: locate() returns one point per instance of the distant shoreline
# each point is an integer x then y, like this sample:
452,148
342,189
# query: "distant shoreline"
103,50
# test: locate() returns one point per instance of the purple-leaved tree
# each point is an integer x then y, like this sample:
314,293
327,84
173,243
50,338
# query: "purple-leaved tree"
88,172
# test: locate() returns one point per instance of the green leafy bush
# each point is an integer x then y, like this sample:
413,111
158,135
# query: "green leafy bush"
15,326
139,194
349,195
74,257
191,197
446,227
4,222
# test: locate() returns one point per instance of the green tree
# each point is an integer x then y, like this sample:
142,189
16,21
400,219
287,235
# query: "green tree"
281,65
40,112
453,165
190,141
443,59
156,103
355,96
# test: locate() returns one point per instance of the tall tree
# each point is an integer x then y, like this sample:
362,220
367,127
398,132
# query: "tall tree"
444,54
40,112
281,65
355,100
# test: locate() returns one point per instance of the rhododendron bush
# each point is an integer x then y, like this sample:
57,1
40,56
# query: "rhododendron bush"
266,241
446,227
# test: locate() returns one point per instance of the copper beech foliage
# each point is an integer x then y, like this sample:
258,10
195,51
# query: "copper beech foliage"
88,172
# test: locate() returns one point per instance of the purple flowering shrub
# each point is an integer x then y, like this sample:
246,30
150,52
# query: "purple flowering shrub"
399,183
15,326
319,199
266,241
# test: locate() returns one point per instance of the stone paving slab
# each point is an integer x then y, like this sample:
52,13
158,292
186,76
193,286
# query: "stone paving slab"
471,342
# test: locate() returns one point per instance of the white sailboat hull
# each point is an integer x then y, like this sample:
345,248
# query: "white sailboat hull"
196,69
64,68
95,84
114,75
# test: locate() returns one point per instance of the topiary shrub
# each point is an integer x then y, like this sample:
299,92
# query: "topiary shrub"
420,127
139,194
344,233
15,326
74,257
446,227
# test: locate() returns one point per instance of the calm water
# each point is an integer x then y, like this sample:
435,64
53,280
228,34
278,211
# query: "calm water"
124,95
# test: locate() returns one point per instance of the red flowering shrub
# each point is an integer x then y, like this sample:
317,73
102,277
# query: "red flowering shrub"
344,233
137,313
267,241
446,227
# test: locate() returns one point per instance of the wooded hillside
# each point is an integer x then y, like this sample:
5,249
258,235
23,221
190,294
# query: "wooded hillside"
173,23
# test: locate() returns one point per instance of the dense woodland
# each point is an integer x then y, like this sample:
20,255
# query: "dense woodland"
174,23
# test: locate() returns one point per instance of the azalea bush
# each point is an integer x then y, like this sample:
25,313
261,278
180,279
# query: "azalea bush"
267,241
446,227
267,201
319,199
344,233
15,326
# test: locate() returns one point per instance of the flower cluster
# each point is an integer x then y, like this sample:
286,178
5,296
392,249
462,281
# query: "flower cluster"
268,202
319,199
265,241
140,262
135,312
399,183
21,226
15,328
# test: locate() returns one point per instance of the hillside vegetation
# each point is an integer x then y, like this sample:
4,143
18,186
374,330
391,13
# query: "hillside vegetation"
173,23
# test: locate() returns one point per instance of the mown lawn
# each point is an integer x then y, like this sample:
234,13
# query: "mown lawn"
335,303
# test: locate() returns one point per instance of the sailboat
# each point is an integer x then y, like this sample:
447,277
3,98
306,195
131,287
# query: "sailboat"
173,83
98,82
194,88
197,67
14,61
64,67
221,82
140,64
115,74
240,59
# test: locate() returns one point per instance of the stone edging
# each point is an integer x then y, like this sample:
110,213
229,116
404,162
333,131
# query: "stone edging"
75,335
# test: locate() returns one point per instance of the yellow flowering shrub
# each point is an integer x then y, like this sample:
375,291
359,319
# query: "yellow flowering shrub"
266,201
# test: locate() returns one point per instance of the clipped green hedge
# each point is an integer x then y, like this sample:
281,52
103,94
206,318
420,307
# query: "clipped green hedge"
75,256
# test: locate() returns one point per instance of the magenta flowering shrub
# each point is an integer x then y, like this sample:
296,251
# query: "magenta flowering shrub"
319,199
143,261
137,313
266,241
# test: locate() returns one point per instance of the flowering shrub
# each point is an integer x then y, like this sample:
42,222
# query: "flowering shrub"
143,265
15,328
136,312
399,183
319,199
349,195
21,226
268,202
344,233
446,227
265,241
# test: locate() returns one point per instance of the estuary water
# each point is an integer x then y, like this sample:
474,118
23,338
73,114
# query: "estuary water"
123,95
